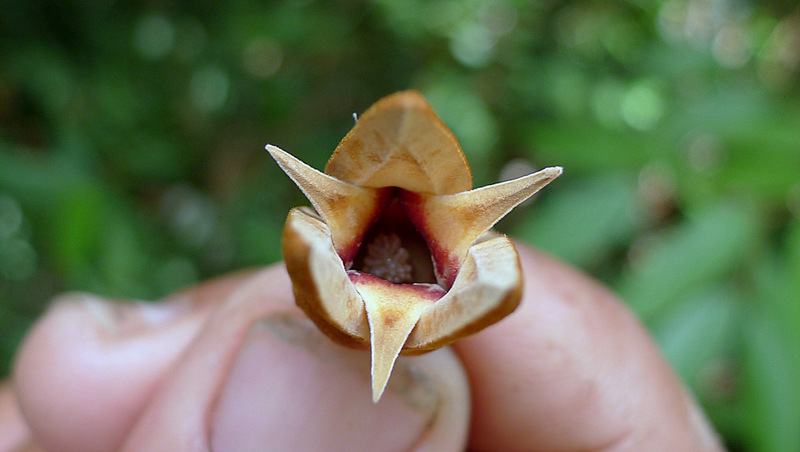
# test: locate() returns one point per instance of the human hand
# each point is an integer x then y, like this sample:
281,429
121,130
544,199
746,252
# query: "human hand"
232,364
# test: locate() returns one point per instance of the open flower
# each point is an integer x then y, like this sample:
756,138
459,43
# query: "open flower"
397,254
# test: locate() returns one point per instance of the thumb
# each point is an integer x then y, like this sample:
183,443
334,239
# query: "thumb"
260,376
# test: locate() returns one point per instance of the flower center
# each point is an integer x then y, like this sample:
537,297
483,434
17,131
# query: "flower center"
387,259
393,250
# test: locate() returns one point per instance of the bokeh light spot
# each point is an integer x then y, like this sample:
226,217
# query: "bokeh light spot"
472,45
10,216
705,152
154,36
262,57
17,259
730,47
642,107
208,89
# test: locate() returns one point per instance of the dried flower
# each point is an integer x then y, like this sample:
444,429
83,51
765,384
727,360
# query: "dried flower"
397,255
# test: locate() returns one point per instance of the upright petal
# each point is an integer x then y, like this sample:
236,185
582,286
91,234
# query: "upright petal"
321,285
400,142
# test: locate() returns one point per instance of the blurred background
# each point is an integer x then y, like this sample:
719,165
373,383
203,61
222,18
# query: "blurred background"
132,162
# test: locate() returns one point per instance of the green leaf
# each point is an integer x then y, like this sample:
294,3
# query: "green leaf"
697,330
587,146
771,373
583,222
77,225
793,260
771,393
37,183
702,249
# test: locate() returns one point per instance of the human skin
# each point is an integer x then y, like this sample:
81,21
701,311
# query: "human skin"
232,364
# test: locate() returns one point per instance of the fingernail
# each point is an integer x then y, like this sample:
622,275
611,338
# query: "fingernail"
99,309
291,388
126,317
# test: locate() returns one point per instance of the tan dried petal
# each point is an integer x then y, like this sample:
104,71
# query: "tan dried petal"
452,223
400,142
347,209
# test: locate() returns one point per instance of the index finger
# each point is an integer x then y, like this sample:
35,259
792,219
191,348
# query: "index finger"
573,369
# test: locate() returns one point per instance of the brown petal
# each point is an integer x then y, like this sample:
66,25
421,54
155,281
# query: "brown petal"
321,286
488,288
393,311
400,142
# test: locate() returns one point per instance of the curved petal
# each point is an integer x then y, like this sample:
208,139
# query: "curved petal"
321,286
488,288
400,142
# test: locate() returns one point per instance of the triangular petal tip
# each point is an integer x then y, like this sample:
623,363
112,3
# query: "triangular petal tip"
554,171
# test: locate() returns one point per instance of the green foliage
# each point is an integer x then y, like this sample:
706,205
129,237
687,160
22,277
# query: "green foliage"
131,162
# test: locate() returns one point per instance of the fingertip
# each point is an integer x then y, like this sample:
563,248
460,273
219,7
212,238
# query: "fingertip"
15,431
571,368
260,376
88,366
293,389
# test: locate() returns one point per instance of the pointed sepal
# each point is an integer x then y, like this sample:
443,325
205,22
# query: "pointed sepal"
450,224
392,312
347,209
